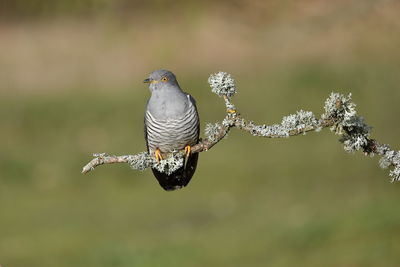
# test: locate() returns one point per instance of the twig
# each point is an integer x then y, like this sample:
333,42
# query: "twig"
102,158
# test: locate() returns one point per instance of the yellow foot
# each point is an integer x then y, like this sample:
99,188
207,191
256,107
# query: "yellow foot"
231,111
187,151
158,155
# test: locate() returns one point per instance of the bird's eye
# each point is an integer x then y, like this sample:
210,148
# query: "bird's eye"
164,79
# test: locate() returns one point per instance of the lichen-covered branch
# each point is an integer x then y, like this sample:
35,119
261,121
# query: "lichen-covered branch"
139,161
339,115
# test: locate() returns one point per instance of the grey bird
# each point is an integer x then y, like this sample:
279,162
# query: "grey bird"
171,123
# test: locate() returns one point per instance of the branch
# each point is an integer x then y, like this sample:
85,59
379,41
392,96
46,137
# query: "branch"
339,115
103,158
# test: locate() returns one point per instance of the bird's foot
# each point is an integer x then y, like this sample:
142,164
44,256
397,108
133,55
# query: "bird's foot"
188,149
158,155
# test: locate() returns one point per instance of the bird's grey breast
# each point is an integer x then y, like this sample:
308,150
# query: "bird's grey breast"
168,105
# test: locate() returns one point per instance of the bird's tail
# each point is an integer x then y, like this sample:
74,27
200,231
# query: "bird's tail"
181,177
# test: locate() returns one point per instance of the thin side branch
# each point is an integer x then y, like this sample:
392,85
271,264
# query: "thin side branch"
101,159
339,115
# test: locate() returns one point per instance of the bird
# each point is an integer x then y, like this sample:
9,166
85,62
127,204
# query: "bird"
171,123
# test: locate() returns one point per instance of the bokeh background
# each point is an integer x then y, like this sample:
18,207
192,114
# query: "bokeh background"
71,77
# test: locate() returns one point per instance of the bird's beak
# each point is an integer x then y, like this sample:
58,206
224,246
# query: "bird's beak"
148,80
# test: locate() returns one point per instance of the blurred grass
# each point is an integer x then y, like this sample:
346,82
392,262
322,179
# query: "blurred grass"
70,88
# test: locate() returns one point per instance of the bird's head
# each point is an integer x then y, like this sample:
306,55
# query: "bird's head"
161,79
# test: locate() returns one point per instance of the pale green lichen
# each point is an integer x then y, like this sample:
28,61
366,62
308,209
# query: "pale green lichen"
390,158
354,131
222,84
144,160
170,164
212,131
141,161
299,121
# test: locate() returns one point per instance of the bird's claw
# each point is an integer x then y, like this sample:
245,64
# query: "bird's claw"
188,149
158,155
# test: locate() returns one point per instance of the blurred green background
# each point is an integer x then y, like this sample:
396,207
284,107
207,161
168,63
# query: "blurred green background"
71,84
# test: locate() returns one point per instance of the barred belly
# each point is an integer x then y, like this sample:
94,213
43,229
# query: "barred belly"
172,134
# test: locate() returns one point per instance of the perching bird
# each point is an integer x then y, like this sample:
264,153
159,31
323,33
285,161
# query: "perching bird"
171,123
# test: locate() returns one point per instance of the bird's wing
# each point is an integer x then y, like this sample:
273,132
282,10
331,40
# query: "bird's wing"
191,162
145,127
193,102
